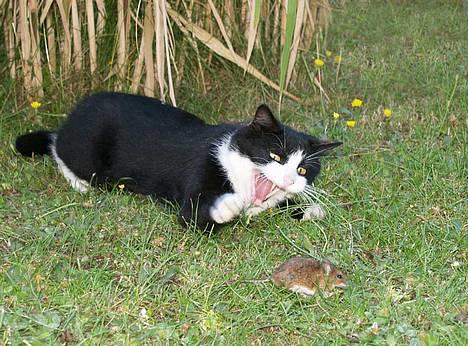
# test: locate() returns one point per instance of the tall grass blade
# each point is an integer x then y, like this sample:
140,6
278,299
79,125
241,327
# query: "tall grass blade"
289,26
255,7
296,40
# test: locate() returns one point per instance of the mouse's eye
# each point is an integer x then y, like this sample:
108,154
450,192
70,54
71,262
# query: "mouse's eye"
275,157
339,276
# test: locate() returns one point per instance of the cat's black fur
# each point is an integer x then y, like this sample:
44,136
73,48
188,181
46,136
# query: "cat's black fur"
159,150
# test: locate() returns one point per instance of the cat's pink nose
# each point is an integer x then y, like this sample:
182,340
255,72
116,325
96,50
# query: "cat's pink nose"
287,180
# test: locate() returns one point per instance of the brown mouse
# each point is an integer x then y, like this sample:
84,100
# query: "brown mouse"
305,275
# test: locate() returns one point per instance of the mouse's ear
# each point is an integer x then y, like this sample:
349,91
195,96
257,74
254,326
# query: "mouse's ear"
327,265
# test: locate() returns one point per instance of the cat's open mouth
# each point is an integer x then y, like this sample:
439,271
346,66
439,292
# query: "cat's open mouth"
263,189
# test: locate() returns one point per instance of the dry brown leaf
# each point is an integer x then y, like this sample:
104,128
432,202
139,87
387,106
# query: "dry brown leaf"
216,46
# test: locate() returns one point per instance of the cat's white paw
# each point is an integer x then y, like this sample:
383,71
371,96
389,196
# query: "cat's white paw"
254,211
315,211
227,207
79,184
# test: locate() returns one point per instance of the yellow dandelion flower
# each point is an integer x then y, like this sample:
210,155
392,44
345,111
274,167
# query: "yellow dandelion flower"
35,104
356,103
319,62
338,59
387,112
336,115
351,123
328,53
121,186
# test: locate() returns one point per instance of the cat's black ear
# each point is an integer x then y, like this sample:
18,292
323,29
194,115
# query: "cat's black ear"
264,120
321,146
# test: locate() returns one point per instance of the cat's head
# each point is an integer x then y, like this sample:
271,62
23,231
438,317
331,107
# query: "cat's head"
285,160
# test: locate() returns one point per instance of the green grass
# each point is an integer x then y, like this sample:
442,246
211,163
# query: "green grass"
83,267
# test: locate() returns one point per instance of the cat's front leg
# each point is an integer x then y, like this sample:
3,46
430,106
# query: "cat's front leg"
314,212
227,207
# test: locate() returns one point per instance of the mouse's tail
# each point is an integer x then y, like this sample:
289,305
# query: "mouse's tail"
257,281
254,281
35,143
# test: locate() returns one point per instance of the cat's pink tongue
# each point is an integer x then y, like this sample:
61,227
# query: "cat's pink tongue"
263,187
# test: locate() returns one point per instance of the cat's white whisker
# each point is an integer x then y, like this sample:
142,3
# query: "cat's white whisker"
317,153
313,195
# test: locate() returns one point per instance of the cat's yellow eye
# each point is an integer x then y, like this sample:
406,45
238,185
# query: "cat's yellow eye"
301,170
275,157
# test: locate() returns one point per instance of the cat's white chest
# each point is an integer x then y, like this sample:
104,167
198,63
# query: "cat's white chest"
239,170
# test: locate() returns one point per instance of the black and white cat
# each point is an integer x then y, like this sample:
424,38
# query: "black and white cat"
214,172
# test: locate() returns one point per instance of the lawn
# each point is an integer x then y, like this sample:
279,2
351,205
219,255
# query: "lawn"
115,268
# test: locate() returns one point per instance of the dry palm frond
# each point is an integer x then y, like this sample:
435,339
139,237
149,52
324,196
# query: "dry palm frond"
138,70
45,11
284,14
91,36
169,49
288,23
217,47
51,44
122,8
276,25
159,20
23,29
35,50
76,34
228,16
65,34
148,34
66,44
220,25
101,17
9,38
3,8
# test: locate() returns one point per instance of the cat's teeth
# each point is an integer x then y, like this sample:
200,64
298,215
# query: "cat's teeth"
273,189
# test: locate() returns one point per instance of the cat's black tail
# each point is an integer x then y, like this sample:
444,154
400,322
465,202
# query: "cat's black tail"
37,143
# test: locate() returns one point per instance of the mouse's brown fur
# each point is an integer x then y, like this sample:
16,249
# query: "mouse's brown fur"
306,275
